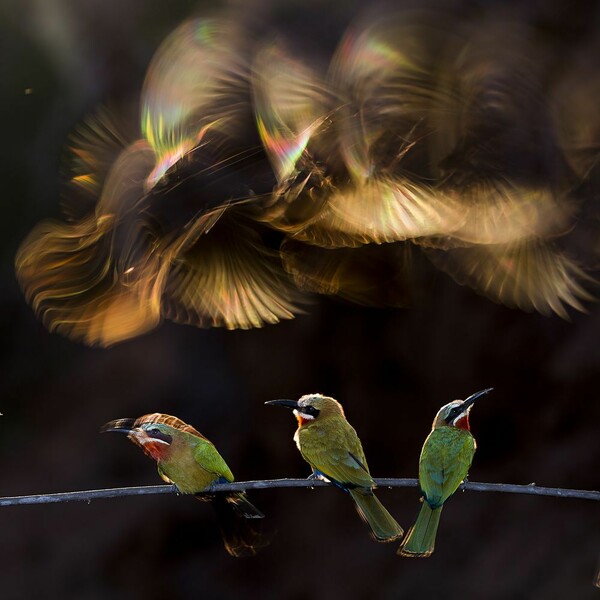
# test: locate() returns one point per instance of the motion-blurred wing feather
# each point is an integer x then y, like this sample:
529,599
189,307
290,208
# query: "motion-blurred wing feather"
197,80
290,104
92,148
530,276
382,211
68,275
228,278
371,275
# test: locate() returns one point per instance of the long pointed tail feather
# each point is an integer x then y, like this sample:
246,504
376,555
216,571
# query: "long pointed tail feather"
235,514
420,540
383,526
243,506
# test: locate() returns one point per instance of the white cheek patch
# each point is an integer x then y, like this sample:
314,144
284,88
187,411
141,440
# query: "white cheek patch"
149,440
304,416
462,415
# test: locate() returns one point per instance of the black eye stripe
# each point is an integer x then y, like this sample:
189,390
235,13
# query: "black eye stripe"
310,410
454,412
159,435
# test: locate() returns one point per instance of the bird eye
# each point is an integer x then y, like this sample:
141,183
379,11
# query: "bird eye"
154,431
452,414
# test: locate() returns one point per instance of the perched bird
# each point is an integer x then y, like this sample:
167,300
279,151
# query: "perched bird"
445,461
331,447
188,460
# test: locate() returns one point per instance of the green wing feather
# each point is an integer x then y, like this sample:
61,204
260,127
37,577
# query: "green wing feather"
337,453
207,456
333,448
445,461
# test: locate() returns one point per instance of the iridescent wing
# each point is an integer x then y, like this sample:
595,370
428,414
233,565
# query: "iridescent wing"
197,81
229,278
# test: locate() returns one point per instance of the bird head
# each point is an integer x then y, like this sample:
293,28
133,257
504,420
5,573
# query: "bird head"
154,433
311,408
456,413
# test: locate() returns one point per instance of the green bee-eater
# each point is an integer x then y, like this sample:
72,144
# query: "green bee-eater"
445,460
331,447
188,460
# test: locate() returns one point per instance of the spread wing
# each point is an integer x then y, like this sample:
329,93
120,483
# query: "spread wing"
229,278
445,461
529,275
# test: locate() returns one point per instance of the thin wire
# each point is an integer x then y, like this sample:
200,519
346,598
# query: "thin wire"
238,486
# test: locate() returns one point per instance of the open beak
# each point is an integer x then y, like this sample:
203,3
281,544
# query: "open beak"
293,404
471,399
118,425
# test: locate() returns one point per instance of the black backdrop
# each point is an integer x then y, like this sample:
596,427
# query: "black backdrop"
391,369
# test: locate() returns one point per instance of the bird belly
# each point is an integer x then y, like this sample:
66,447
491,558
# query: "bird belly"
187,475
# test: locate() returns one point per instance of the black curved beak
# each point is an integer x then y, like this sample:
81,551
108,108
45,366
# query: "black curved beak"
471,399
293,404
118,425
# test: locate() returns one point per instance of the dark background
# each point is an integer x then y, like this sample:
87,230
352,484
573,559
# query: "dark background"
391,369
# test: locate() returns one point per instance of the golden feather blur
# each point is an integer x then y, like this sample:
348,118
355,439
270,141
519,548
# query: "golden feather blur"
254,177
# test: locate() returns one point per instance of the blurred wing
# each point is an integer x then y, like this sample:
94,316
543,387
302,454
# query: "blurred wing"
198,80
92,149
575,112
98,280
293,207
370,275
501,212
491,105
381,70
290,105
382,211
228,278
531,275
69,276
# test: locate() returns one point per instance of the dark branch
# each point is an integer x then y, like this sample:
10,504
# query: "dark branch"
86,496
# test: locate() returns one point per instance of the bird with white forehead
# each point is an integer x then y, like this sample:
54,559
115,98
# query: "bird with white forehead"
191,462
445,461
330,445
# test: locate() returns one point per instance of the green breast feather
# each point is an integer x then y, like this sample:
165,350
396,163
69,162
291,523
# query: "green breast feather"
445,461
